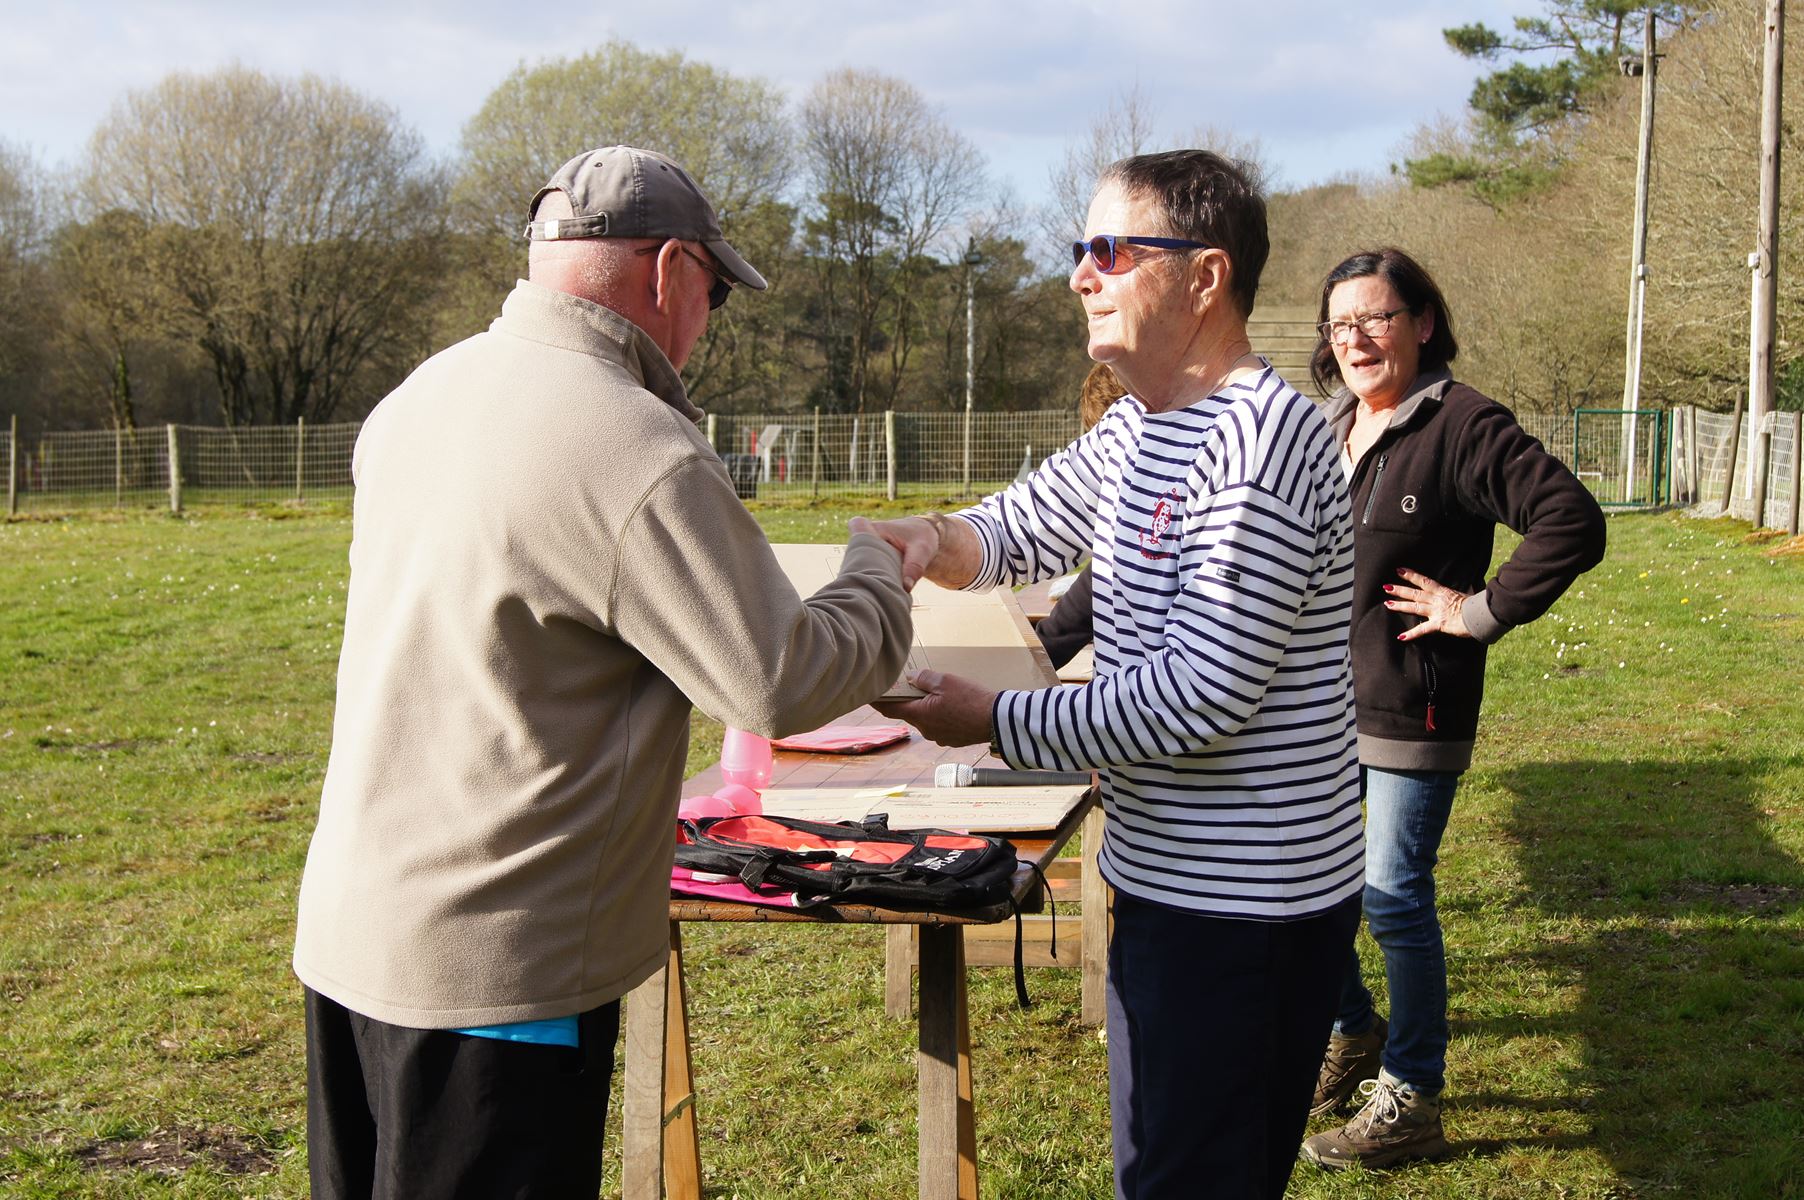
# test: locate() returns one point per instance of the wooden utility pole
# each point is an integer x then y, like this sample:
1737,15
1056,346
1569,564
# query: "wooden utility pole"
1764,261
1631,374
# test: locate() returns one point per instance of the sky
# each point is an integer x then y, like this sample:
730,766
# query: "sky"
1326,88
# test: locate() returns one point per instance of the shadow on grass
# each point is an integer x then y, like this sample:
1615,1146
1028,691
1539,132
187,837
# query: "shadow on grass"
1689,957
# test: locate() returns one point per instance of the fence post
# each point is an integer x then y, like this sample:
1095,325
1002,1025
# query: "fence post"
300,459
1760,445
175,470
712,422
815,466
12,469
889,451
1734,455
118,466
1694,457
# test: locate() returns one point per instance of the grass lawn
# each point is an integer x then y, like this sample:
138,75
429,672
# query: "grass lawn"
1622,888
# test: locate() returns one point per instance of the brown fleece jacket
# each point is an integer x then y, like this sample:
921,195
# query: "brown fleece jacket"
548,567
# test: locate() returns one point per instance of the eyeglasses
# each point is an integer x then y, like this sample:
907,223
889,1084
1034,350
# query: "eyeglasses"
723,283
1373,325
1104,248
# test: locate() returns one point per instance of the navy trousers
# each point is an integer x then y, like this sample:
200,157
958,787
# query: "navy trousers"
1216,1031
398,1114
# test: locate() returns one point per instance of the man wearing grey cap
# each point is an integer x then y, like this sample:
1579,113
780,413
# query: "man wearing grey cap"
549,567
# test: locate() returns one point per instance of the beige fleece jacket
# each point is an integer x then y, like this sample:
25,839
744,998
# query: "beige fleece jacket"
548,567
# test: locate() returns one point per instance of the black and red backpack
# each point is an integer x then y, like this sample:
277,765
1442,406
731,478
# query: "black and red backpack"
866,863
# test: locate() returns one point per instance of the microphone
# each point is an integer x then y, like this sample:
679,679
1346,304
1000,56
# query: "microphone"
950,775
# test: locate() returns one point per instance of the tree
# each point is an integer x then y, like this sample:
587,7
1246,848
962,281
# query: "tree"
889,179
293,234
1126,127
22,281
731,133
106,315
1519,109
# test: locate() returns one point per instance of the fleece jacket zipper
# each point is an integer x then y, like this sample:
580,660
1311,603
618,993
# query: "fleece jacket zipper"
1372,496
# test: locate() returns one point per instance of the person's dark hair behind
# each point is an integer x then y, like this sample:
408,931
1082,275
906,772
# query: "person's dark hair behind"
1206,198
1413,285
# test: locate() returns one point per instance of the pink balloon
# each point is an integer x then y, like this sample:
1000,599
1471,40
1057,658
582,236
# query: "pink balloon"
697,807
744,801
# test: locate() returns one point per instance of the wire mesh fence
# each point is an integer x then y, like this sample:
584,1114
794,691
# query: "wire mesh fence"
1765,459
1657,456
807,455
178,464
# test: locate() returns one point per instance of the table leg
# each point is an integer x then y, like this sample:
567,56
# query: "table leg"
947,1154
898,970
658,1132
1094,895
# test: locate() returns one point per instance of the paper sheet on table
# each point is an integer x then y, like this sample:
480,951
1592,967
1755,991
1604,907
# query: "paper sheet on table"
976,809
1081,668
980,635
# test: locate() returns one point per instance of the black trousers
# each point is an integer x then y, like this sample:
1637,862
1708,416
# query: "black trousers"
1216,1032
404,1114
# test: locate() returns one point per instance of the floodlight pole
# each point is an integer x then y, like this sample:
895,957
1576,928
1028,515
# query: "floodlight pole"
1764,261
972,260
1631,377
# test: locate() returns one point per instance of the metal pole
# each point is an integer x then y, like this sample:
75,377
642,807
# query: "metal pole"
118,466
12,469
300,459
1764,262
816,456
970,367
1631,383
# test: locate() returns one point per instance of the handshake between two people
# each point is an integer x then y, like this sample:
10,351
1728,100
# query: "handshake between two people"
954,711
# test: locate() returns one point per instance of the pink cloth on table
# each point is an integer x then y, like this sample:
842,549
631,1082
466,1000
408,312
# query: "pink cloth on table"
844,739
708,886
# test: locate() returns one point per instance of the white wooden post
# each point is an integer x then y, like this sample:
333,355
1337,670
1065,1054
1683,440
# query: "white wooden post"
889,448
175,470
300,454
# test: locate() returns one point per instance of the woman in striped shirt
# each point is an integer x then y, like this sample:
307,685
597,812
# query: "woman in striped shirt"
1215,512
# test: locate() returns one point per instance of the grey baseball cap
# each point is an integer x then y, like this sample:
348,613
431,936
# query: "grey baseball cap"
625,192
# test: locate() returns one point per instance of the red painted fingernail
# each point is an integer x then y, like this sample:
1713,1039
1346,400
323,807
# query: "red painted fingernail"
1390,587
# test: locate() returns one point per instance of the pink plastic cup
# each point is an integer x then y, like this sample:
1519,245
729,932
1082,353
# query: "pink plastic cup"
745,759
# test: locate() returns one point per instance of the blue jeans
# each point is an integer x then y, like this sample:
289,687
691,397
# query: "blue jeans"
1406,814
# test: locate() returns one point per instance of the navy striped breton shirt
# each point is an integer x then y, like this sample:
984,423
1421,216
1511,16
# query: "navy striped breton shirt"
1222,709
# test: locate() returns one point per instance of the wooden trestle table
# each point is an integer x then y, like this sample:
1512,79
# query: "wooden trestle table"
661,1153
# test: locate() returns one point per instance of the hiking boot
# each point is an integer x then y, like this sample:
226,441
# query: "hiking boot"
1349,1062
1396,1123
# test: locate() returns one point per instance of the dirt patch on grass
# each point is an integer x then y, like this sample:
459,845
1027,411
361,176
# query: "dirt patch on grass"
1742,897
174,1151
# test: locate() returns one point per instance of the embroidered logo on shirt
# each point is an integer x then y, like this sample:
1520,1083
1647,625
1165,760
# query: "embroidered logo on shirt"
1226,573
1152,538
1409,504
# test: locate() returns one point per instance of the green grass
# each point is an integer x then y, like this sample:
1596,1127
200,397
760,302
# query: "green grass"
1623,892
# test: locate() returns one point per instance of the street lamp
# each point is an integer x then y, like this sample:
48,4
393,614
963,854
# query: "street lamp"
972,261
